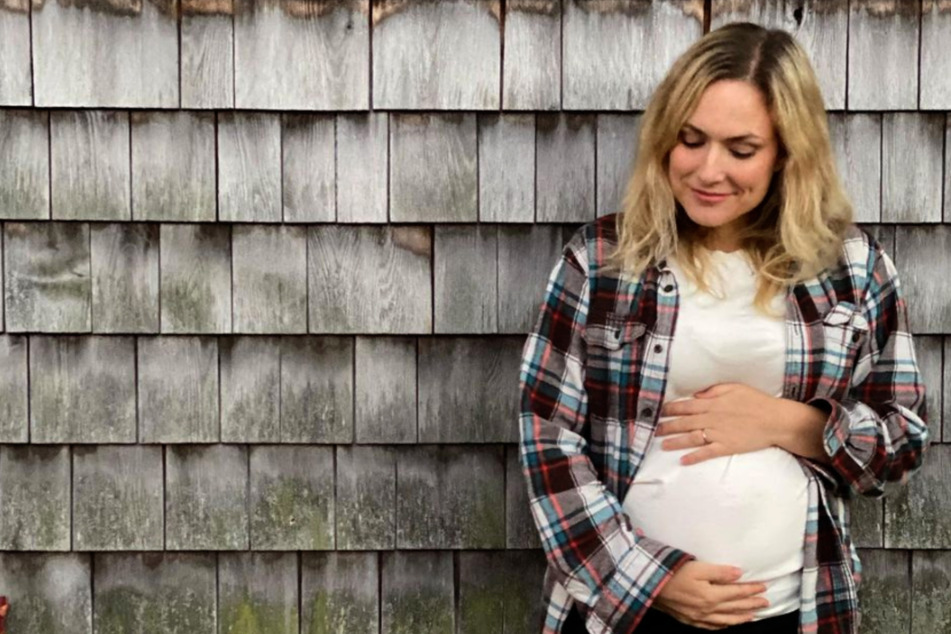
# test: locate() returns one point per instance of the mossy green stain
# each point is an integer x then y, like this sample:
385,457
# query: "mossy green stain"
487,521
482,611
422,612
341,612
250,616
292,512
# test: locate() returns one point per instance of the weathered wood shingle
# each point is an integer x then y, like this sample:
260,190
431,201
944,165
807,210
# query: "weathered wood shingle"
34,496
257,592
883,43
25,157
366,498
885,592
520,531
935,61
269,277
14,392
362,193
465,263
565,155
125,277
250,370
16,83
307,159
506,168
919,515
385,387
249,167
531,59
417,592
617,147
340,593
195,278
316,389
930,590
857,143
207,50
527,255
52,592
498,591
920,253
912,156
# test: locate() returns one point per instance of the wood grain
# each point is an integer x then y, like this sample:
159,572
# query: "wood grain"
465,263
25,156
207,50
919,514
565,156
57,587
16,82
857,143
362,171
195,278
269,276
495,591
883,54
617,148
520,531
385,389
417,592
912,157
250,389
531,57
928,351
14,392
366,498
316,390
920,251
125,277
885,591
930,589
340,592
307,148
257,588
506,167
249,167
34,488
935,62
527,255
946,383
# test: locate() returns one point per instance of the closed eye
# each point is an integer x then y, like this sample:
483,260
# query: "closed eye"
739,155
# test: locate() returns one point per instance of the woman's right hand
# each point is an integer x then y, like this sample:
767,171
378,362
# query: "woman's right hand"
707,596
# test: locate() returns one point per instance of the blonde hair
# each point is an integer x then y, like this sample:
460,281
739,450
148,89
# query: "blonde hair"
797,230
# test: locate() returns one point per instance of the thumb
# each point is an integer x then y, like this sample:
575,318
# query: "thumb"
720,574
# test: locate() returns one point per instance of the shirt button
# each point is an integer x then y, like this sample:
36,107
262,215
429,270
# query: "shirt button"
647,412
658,348
855,337
668,288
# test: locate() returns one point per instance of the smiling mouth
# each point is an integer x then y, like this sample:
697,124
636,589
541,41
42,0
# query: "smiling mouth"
711,194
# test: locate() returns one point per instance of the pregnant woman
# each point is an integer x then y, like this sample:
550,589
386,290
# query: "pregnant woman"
718,368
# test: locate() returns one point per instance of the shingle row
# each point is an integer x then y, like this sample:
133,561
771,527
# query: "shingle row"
262,498
450,54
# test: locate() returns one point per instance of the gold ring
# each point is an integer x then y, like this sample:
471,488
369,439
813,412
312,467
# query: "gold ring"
703,432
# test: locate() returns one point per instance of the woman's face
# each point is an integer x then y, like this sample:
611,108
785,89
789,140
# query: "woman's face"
724,159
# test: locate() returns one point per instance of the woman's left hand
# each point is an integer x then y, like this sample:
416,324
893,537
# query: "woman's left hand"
735,417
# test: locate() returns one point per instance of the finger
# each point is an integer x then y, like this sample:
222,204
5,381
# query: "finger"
717,573
713,450
684,441
725,593
719,620
685,407
680,425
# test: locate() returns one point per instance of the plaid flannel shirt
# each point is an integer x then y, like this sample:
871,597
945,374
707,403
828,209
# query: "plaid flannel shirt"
592,380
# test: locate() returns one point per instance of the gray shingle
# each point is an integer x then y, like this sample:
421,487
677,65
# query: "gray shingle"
370,280
433,167
249,167
467,389
178,389
919,514
34,496
46,277
867,522
919,252
118,498
14,392
340,593
292,498
206,497
928,351
207,49
196,278
857,143
321,63
436,55
935,63
99,54
270,279
155,592
527,255
16,82
946,413
250,389
498,592
520,531
617,147
531,59
307,158
885,591
317,389
417,593
820,26
25,156
930,589
912,156
366,498
507,167
125,277
173,166
565,154
89,156
362,172
47,593
257,592
450,497
615,53
385,379
883,55
465,261
947,169
82,389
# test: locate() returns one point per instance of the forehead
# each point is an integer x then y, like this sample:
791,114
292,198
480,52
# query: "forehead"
731,108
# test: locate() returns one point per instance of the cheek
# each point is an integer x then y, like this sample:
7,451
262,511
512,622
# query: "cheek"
756,177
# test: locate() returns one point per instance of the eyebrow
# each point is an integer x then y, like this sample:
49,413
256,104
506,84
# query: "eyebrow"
742,137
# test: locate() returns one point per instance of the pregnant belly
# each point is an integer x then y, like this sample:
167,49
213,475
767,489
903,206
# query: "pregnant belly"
747,510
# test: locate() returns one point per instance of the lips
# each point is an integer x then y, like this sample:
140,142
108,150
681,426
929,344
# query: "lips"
709,196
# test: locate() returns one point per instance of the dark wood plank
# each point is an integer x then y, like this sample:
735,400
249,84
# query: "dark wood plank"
857,143
441,55
615,53
249,167
919,252
340,593
195,278
946,396
89,157
207,49
52,592
617,147
464,389
366,498
500,591
82,389
125,277
34,491
269,278
118,498
307,157
250,389
417,593
206,497
369,280
883,54
173,166
25,156
178,389
362,172
565,155
935,62
885,593
531,59
506,168
257,592
527,255
465,263
928,352
918,515
912,166
16,82
292,498
317,389
930,589
14,391
385,390
433,167
102,54
322,62
947,169
520,531
868,522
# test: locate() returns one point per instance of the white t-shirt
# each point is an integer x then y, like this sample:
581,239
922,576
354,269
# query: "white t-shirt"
746,510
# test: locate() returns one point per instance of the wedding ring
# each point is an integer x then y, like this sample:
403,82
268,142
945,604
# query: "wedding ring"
703,432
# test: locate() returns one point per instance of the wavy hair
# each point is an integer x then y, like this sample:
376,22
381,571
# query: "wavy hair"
798,228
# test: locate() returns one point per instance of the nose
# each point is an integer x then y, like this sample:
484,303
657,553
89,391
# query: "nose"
711,170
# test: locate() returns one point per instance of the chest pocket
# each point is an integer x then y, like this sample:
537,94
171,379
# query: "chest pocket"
613,343
845,333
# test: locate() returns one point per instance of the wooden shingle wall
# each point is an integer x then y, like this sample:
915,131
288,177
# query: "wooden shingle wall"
267,267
